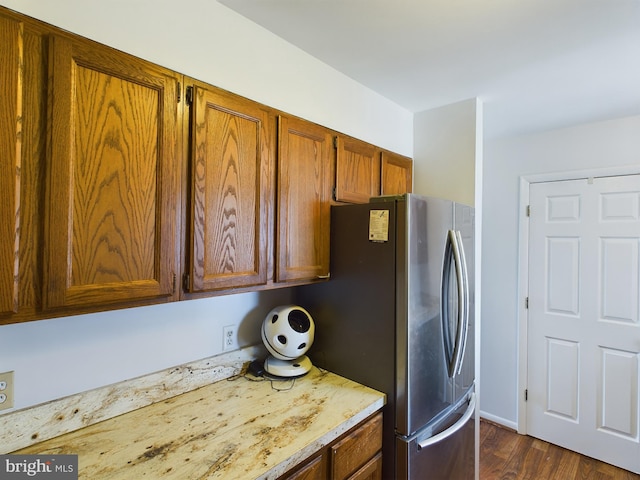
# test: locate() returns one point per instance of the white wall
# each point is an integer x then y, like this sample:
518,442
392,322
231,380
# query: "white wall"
445,151
210,42
598,145
201,38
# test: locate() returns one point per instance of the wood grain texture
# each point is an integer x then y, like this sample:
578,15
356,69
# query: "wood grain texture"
304,157
506,455
357,170
354,451
397,174
11,82
372,470
112,191
229,188
316,469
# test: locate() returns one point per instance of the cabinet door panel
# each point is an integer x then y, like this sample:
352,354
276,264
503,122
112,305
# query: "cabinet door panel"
314,470
353,451
112,194
229,186
304,156
396,174
372,470
11,39
357,171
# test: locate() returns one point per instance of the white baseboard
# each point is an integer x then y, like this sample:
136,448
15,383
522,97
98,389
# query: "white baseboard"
499,420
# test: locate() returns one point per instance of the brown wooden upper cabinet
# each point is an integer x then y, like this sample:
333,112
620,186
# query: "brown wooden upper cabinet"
364,171
229,187
357,170
396,174
112,190
11,40
303,200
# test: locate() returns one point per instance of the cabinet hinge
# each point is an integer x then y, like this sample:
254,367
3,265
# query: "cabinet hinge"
186,280
528,210
333,194
335,142
526,303
174,284
526,395
179,92
189,96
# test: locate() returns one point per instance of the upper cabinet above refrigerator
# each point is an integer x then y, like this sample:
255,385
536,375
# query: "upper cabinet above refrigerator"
364,171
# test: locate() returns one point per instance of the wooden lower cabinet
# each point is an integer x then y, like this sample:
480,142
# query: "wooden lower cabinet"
357,455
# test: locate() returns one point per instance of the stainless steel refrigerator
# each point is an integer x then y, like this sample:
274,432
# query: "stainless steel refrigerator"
397,315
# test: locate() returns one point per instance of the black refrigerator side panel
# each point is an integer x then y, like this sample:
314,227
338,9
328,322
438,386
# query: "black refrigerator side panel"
354,312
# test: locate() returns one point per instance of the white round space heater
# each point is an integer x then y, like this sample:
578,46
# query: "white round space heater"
287,332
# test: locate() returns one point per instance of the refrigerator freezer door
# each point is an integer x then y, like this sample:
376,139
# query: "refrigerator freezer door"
444,454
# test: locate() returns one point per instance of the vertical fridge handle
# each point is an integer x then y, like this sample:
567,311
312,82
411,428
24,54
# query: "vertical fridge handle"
464,292
454,342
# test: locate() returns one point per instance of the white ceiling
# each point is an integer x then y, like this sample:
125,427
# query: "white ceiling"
536,64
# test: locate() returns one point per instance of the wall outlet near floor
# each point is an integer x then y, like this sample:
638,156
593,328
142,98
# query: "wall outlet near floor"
229,338
6,390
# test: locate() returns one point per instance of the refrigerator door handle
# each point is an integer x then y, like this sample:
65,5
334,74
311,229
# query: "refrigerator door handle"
464,292
452,254
453,428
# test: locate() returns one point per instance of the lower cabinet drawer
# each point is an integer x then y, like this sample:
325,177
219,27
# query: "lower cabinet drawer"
356,449
357,455
315,469
372,470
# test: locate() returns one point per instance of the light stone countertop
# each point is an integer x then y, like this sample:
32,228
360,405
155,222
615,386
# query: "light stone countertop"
235,428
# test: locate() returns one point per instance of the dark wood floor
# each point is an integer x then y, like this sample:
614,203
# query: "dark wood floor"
505,455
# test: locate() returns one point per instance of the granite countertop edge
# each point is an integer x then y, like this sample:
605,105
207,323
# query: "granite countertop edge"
222,429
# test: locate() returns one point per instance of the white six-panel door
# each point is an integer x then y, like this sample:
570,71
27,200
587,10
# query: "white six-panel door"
583,325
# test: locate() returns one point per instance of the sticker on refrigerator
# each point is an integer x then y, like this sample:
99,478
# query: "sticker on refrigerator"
379,225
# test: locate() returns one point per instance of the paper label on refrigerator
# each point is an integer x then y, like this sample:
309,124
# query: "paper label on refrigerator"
379,225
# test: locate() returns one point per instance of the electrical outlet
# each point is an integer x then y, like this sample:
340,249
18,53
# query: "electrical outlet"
229,338
6,390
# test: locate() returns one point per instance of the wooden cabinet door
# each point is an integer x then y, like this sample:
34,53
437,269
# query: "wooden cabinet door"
304,172
112,195
229,169
315,469
355,450
372,470
357,171
397,174
10,143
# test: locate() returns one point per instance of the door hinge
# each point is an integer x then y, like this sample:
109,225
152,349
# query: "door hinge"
189,96
174,284
528,210
333,194
179,92
186,280
526,303
526,395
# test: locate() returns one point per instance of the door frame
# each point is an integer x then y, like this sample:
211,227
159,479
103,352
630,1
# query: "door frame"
523,265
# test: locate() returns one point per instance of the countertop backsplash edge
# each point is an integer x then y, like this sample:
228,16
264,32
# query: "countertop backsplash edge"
28,426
